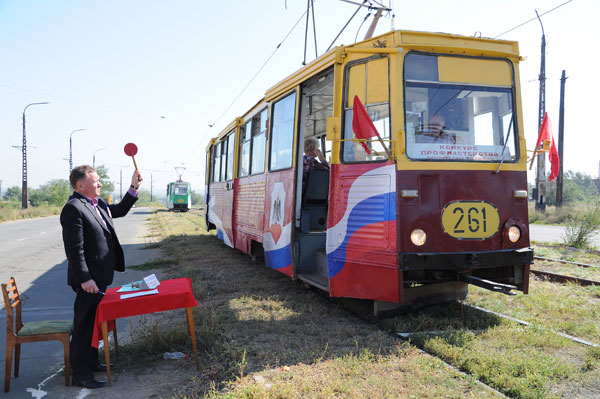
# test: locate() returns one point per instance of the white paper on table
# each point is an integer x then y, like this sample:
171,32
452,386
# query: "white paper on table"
151,281
139,293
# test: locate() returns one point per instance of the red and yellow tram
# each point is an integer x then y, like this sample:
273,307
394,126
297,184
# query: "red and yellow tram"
439,197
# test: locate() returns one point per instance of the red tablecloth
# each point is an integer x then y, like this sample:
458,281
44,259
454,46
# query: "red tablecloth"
172,294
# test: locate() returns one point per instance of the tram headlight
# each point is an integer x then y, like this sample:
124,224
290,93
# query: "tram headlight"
514,233
418,237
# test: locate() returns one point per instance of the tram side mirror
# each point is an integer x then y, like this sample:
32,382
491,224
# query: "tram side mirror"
334,125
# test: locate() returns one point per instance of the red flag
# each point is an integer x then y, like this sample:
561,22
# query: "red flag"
362,124
546,134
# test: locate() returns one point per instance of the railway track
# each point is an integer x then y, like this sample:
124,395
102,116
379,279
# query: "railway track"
561,278
407,335
566,261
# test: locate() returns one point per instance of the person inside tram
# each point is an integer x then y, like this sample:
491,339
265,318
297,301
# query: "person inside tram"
435,132
313,159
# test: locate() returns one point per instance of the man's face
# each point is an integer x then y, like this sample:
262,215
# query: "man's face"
436,123
90,186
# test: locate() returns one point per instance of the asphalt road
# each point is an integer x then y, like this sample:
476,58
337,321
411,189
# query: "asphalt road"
32,252
553,234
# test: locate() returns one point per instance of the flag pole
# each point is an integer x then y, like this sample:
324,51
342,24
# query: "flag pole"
389,154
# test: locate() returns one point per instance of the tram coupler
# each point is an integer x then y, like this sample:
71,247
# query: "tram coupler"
487,284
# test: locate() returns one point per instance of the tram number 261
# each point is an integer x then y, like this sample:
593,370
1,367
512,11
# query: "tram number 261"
470,219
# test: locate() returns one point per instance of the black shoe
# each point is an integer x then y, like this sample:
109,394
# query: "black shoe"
100,367
90,384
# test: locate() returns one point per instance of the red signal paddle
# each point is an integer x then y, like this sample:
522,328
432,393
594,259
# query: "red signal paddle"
131,150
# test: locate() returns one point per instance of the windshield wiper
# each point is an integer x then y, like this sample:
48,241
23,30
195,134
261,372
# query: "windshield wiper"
505,142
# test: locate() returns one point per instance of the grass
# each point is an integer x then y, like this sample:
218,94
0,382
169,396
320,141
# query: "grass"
8,211
552,215
262,335
521,362
567,308
154,264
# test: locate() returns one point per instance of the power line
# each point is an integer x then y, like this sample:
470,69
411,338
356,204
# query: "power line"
532,19
251,80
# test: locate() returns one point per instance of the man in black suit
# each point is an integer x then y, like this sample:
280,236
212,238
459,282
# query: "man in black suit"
93,253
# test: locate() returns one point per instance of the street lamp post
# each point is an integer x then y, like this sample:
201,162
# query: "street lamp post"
24,150
71,149
94,160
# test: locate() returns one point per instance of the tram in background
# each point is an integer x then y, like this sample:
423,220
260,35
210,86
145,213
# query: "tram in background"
437,202
179,196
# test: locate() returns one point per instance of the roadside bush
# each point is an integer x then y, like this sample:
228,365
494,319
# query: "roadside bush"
552,215
16,213
580,228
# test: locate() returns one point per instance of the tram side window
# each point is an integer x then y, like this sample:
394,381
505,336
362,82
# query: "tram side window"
223,159
369,80
259,129
245,149
282,133
217,163
230,151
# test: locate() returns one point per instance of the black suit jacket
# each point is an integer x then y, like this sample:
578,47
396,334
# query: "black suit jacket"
93,249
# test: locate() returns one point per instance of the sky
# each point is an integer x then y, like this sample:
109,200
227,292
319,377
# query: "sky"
161,73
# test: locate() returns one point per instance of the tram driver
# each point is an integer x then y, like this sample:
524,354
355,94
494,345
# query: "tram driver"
435,132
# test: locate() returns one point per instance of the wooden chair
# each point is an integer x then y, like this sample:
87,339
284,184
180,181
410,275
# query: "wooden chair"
35,331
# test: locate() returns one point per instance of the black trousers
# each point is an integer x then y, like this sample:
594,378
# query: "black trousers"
83,355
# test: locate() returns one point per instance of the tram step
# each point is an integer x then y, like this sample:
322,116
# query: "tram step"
321,262
316,280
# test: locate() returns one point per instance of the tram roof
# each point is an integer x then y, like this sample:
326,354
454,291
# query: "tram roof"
414,40
399,39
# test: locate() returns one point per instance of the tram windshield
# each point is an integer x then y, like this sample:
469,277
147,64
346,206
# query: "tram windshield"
181,189
449,121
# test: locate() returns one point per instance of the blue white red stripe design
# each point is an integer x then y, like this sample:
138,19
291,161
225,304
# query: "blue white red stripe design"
278,254
216,220
374,194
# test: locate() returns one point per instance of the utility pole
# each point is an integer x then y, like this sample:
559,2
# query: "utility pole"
0,189
71,149
540,180
24,199
151,186
561,141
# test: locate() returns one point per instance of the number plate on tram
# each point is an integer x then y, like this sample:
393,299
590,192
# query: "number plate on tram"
470,220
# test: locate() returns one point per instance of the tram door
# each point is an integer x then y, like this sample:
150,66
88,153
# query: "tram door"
220,193
227,171
361,228
312,190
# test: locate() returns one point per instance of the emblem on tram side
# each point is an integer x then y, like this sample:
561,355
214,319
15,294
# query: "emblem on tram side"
277,210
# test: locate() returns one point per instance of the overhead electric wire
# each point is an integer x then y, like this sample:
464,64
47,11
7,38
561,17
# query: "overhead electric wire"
248,84
532,19
352,17
259,69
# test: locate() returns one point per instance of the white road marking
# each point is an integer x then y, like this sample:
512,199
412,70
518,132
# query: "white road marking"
21,239
43,232
38,393
83,393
